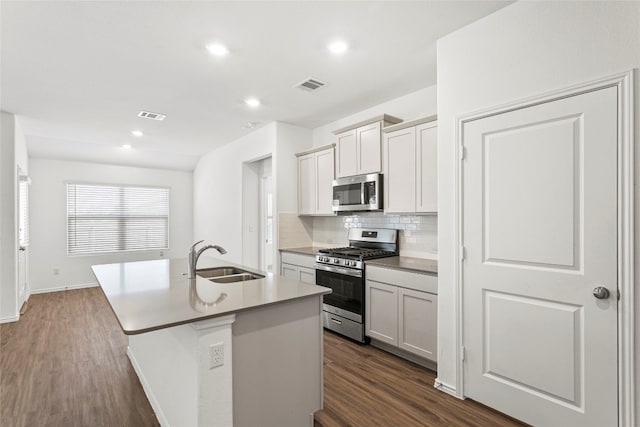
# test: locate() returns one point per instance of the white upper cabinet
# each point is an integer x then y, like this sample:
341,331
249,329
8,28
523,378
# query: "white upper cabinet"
359,148
306,184
315,181
347,154
325,165
410,167
427,167
400,171
368,149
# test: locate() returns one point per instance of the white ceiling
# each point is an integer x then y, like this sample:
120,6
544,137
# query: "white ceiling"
78,72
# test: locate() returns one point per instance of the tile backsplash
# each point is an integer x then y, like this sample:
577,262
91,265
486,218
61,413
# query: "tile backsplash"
418,234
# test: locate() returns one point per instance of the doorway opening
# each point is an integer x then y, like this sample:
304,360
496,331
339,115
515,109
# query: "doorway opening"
257,214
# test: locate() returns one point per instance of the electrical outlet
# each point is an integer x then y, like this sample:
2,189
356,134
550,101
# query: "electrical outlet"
216,355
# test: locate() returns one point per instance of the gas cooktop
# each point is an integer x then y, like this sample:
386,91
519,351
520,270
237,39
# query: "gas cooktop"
356,252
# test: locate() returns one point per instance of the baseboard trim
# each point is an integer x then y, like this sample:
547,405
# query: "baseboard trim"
147,389
396,351
9,319
63,288
444,387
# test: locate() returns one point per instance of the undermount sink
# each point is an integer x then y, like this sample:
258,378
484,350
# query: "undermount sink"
227,274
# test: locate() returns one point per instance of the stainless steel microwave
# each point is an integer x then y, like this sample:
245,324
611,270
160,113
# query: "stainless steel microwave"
357,193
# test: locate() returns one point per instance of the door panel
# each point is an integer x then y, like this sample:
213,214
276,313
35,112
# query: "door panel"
540,232
382,312
533,172
427,167
346,154
400,171
324,181
307,185
369,148
418,322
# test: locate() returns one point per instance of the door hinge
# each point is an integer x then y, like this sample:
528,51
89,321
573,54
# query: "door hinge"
462,353
463,152
463,253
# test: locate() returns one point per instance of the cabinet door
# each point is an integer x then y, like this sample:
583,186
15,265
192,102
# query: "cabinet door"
307,275
381,318
427,167
417,322
324,181
290,271
400,171
306,185
369,148
346,154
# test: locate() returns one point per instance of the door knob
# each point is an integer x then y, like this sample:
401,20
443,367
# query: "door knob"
601,292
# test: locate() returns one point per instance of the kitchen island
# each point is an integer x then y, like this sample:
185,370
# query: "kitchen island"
220,354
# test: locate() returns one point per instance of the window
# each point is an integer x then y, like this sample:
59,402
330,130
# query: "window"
109,218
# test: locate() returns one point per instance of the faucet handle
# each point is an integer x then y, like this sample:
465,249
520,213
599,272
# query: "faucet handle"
196,244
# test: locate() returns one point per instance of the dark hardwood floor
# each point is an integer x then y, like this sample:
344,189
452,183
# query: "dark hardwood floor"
65,364
365,386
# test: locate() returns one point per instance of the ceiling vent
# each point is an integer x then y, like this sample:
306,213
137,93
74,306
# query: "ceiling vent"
310,84
152,116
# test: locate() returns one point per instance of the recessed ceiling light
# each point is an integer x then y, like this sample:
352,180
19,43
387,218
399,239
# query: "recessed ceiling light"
217,49
137,133
126,146
338,47
252,102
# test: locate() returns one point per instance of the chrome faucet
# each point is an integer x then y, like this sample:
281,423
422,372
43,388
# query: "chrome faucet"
194,255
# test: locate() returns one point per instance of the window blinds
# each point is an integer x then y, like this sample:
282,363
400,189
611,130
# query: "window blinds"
107,218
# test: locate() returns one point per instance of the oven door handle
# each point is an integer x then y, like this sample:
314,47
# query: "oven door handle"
340,270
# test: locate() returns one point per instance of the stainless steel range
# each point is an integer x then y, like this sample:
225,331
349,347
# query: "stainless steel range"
343,270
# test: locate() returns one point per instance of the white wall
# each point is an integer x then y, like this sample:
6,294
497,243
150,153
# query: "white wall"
525,49
217,180
48,249
8,242
415,105
13,155
217,191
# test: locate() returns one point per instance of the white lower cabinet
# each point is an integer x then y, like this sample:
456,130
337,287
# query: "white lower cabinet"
401,310
298,266
381,316
417,320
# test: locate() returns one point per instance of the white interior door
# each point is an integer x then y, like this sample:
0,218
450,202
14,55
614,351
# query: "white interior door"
23,236
540,233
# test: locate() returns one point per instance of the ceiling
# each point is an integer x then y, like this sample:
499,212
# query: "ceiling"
78,73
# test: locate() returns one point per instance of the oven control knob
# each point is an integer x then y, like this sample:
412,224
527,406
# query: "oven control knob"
336,261
353,263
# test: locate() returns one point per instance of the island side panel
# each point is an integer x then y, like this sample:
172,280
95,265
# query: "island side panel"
277,364
165,362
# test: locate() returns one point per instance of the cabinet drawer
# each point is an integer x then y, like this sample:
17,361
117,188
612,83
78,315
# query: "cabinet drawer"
308,261
423,282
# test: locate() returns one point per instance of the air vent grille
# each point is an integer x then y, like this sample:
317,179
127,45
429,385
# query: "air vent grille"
311,84
152,116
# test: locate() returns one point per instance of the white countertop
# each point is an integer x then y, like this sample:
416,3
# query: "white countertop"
150,295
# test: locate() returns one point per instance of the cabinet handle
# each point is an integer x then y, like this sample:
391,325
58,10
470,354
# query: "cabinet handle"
339,322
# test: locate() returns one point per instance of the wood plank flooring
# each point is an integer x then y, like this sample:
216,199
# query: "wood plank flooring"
365,386
65,364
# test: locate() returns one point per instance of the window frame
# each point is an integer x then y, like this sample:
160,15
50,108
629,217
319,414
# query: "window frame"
118,185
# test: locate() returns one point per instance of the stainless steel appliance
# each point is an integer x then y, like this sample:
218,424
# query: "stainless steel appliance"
357,193
343,270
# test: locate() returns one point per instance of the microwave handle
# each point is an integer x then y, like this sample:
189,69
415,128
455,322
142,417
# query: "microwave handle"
362,193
